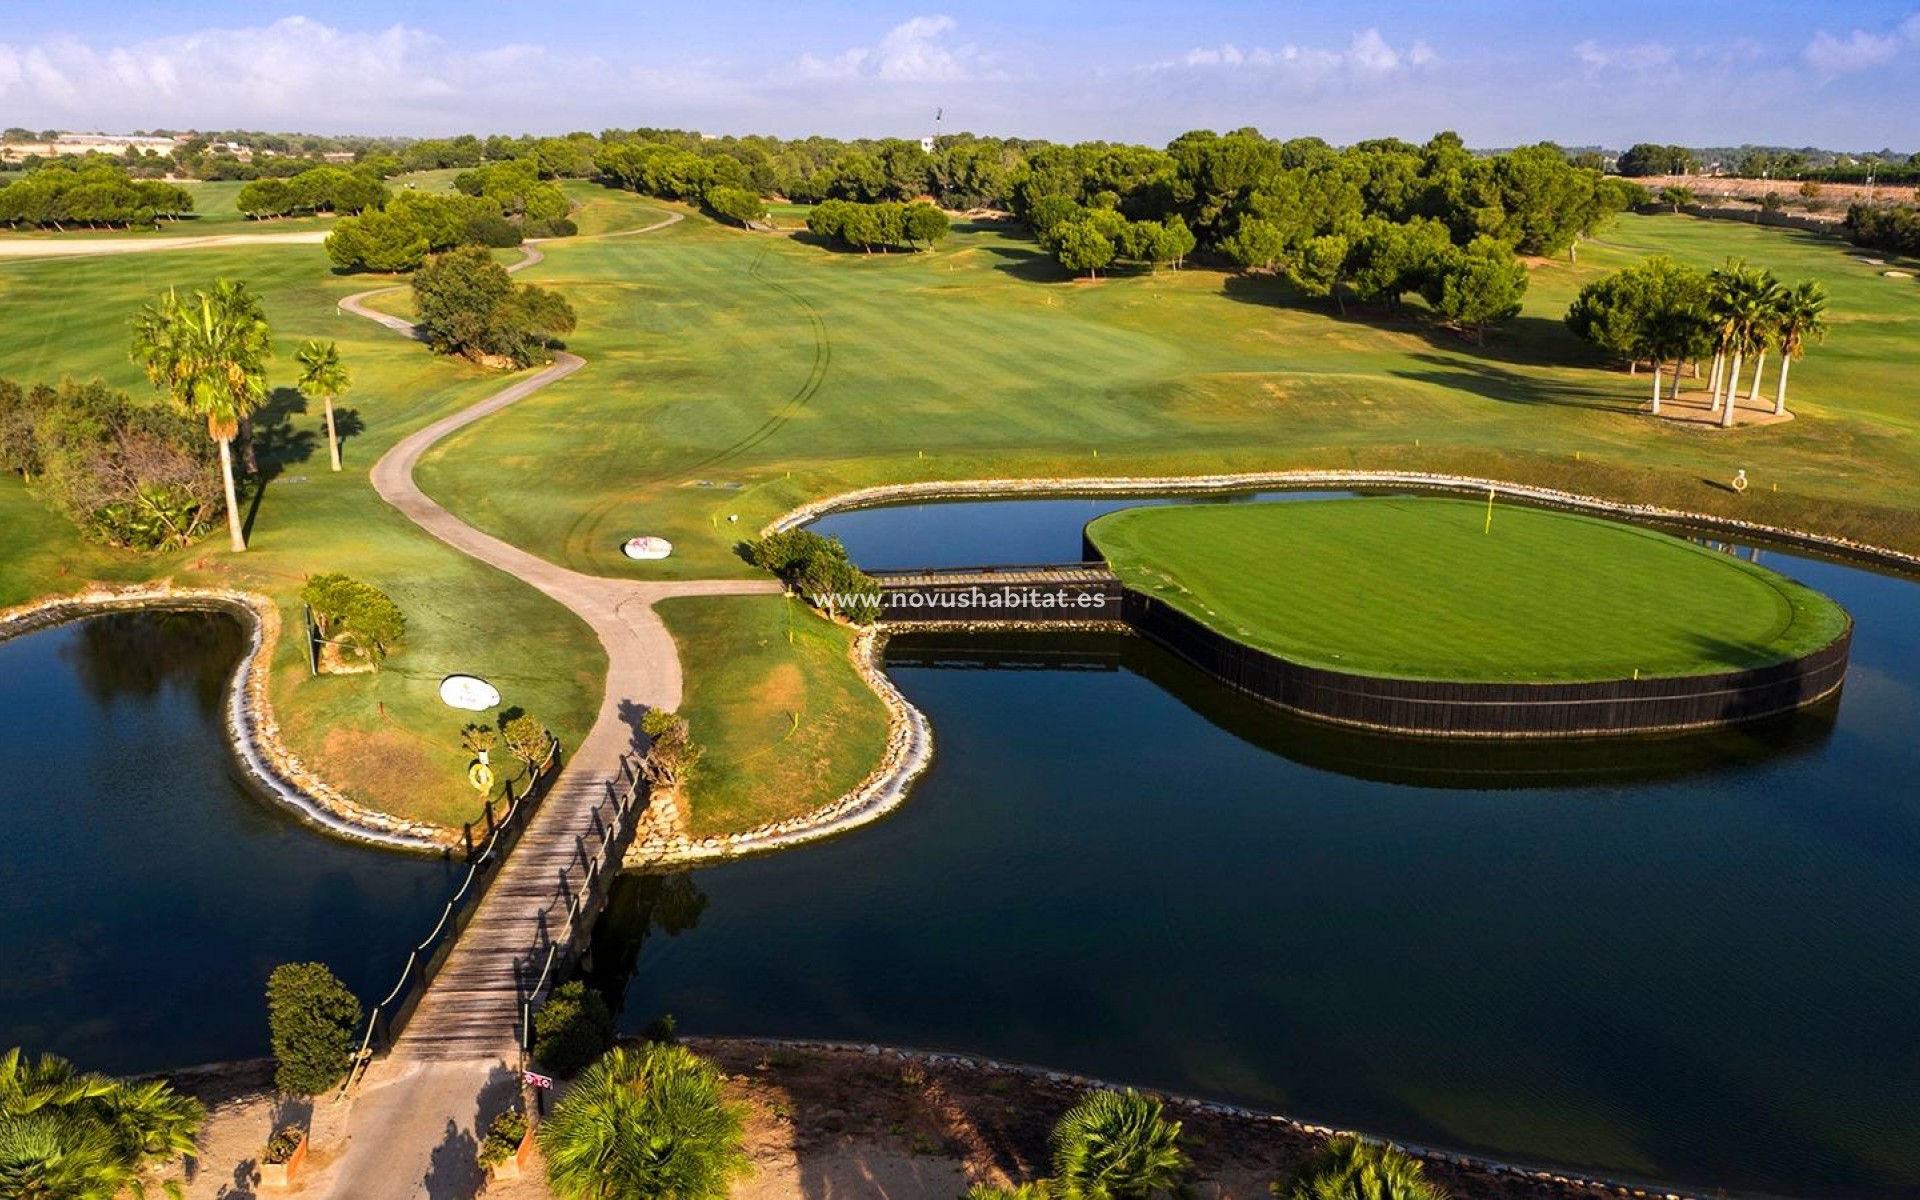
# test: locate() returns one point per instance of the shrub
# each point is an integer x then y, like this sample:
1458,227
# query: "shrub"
1116,1146
573,1028
282,1146
1350,1169
68,1134
527,738
671,752
503,1139
356,615
648,1122
313,1020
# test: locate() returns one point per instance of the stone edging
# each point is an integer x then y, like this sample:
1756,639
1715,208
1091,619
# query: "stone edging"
966,1062
909,750
251,729
985,489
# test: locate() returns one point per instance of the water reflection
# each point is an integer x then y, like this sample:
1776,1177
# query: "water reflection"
141,654
1417,762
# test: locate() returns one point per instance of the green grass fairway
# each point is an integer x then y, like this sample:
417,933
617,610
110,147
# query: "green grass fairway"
1422,589
786,726
732,373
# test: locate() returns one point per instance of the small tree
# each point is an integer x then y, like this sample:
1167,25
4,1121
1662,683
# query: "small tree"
479,740
1116,1146
737,204
671,754
355,614
527,739
313,1020
572,1029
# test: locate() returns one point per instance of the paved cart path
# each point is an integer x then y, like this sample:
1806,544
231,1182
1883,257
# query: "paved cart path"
414,1121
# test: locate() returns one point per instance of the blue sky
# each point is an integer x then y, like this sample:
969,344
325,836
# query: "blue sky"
1706,72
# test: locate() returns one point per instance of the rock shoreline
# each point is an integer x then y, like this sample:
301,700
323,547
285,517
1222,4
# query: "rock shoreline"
1151,485
252,730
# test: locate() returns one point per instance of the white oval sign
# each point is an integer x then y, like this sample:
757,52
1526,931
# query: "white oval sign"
468,692
647,547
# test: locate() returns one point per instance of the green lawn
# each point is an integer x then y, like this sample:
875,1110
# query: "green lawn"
386,739
735,374
785,722
1428,589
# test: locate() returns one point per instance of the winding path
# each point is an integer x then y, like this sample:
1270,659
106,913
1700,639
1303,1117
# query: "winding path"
417,1112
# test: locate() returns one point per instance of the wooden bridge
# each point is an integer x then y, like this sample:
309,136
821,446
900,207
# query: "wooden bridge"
1040,593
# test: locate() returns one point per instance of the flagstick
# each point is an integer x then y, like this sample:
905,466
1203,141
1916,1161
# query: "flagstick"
1489,528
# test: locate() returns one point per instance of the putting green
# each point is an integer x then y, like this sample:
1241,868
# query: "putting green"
1423,589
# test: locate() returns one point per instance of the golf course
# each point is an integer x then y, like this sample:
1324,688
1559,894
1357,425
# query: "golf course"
733,375
1445,589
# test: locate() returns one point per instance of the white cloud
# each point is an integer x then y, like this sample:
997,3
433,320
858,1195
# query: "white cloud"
298,73
915,51
1646,56
1367,55
1860,50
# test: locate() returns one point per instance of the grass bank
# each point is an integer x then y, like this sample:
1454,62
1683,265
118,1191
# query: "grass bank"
1429,588
786,722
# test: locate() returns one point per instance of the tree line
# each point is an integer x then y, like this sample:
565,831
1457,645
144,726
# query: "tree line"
914,226
1661,311
97,194
1894,228
399,236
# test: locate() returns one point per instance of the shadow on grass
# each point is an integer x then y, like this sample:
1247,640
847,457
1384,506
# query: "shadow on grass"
1497,382
274,445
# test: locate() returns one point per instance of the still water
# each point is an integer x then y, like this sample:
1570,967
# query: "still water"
1689,959
145,893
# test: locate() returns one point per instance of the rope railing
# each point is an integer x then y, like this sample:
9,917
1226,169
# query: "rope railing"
413,973
624,803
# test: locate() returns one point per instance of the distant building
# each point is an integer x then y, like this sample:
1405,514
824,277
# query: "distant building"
87,143
337,156
926,143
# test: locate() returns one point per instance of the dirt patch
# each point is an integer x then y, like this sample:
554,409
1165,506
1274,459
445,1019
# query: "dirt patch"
1696,408
824,1124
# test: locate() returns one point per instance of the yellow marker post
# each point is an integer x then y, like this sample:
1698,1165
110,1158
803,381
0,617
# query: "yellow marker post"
1489,528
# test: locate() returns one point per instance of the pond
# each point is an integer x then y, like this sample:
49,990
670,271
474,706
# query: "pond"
145,892
1688,959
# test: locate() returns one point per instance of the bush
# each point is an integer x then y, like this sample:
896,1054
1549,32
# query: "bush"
671,753
1116,1146
356,615
819,568
503,1139
1350,1169
127,474
313,1021
572,1029
527,739
644,1123
282,1146
552,227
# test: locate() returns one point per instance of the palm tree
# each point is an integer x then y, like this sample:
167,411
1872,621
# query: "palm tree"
1801,317
208,354
1740,299
1350,1169
1116,1146
1767,300
648,1122
65,1135
322,374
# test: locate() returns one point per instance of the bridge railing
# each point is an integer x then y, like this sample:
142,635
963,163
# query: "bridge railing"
890,575
389,1016
630,794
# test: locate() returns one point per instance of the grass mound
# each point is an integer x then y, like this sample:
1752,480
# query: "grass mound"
1423,589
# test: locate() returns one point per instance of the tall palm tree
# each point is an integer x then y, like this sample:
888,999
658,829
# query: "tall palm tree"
208,353
648,1122
1801,318
1350,1169
1740,300
322,374
1722,286
1116,1146
1767,299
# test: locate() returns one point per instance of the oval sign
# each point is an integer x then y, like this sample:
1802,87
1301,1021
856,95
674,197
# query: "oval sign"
469,692
647,547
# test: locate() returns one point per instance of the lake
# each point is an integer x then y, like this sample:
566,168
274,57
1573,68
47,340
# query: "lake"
1690,959
145,891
